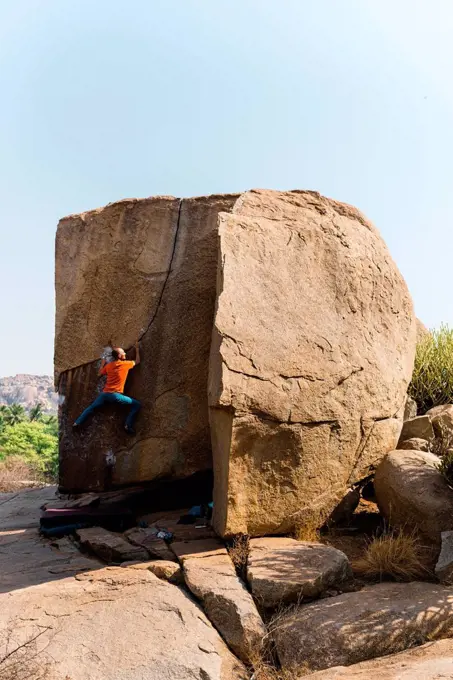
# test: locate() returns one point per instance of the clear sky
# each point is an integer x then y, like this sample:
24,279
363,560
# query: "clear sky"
107,99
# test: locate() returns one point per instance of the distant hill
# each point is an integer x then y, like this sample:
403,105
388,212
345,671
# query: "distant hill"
27,390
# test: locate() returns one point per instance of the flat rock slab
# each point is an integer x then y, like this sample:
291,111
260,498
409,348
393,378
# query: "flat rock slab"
211,577
110,547
146,538
26,558
21,510
433,661
115,623
370,623
283,570
202,548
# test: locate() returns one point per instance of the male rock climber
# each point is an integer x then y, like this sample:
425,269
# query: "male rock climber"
116,372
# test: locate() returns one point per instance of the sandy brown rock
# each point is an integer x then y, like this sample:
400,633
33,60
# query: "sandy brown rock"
282,570
413,495
442,420
163,569
410,408
306,396
108,546
354,627
117,623
444,566
209,547
433,661
226,601
414,444
419,427
137,269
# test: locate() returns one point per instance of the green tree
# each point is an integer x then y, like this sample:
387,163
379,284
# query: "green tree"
34,441
14,414
36,412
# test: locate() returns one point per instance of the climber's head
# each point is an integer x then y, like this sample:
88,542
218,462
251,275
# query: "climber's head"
118,354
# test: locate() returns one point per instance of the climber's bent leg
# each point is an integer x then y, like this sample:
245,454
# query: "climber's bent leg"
133,411
97,403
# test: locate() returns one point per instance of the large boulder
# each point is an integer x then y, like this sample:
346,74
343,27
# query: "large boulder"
433,661
372,622
312,352
419,427
442,420
112,623
137,269
283,570
413,495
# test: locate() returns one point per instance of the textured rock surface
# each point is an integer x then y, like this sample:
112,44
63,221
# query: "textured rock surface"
412,494
410,409
282,570
414,444
312,352
108,546
354,627
163,569
444,566
212,579
117,623
433,661
419,427
137,268
442,420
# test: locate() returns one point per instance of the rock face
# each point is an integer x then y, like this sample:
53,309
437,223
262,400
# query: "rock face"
210,575
444,566
312,351
419,427
135,612
354,627
137,269
433,661
308,337
282,570
412,494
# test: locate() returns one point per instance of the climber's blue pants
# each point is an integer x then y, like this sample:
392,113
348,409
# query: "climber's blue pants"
112,398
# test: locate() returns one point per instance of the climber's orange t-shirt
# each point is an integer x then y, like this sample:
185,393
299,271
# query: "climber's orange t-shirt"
116,372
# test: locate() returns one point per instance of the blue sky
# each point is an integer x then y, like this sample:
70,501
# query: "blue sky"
110,99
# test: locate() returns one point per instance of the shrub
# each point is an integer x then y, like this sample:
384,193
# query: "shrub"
432,379
34,442
395,555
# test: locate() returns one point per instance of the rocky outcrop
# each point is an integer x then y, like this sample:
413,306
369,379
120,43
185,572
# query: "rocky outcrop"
312,352
310,356
433,661
372,622
283,570
413,495
210,575
29,390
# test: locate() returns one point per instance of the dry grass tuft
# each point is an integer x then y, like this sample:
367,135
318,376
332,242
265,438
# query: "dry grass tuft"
239,553
395,555
14,471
